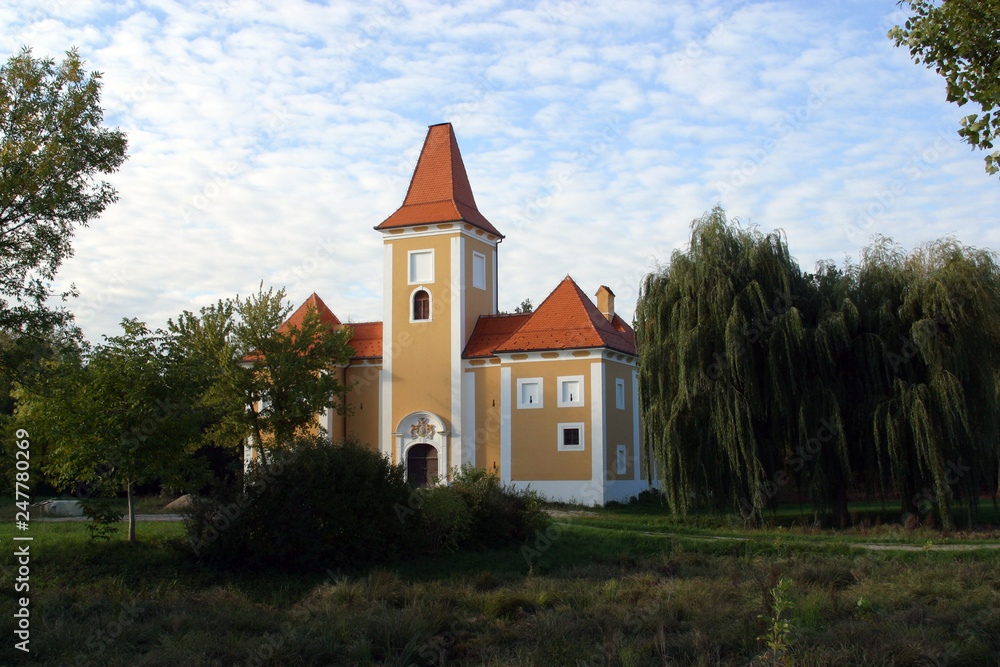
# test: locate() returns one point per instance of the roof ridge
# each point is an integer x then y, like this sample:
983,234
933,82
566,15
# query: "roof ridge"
566,319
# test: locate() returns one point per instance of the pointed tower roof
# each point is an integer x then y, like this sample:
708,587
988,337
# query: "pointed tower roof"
439,190
568,319
325,314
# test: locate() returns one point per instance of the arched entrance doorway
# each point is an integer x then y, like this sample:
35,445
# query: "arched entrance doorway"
421,444
421,464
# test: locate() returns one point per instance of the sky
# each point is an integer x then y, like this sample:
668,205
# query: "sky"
266,140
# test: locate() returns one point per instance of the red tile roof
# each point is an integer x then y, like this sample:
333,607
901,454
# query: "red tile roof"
491,331
325,314
567,319
439,190
626,331
366,339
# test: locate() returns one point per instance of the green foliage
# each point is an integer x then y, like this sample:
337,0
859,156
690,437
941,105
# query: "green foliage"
112,417
960,39
500,515
525,307
777,637
316,505
446,520
722,363
104,520
882,376
259,378
53,149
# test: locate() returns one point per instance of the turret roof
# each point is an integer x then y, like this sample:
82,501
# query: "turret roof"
439,190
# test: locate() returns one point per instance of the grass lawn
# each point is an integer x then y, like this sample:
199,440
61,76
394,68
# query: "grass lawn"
623,586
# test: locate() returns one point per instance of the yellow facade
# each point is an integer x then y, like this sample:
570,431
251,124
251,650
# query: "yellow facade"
543,412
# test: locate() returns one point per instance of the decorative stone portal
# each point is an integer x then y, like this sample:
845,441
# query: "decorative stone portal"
422,446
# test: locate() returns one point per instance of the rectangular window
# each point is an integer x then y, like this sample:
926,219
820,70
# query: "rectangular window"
570,391
529,393
571,437
620,394
478,270
622,460
421,266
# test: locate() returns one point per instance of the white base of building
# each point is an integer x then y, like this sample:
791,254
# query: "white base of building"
584,492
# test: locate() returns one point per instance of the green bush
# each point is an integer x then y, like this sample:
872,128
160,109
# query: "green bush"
104,519
446,519
501,515
315,504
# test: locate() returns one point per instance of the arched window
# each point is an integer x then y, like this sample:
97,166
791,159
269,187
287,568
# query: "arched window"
421,305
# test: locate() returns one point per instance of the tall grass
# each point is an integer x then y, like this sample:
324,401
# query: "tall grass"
592,597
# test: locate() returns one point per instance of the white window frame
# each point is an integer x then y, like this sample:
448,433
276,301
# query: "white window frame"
417,280
478,277
620,393
430,305
568,448
578,400
622,459
534,405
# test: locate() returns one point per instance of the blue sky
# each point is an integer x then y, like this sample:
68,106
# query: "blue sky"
267,139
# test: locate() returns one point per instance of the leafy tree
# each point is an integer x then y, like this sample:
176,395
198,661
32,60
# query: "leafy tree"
269,380
114,417
722,366
28,356
525,307
934,419
961,40
53,148
209,348
755,378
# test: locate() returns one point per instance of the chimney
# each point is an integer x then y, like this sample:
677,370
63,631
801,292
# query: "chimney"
606,302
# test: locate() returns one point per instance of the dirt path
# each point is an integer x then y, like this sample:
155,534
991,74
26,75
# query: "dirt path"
138,517
933,547
574,514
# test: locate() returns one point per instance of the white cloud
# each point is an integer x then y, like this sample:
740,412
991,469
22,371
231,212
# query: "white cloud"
267,140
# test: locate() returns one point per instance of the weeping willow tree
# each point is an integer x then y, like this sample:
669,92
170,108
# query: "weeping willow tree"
724,368
934,418
755,378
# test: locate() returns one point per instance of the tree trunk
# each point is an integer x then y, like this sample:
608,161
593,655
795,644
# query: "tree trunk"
838,494
840,504
908,500
259,443
131,514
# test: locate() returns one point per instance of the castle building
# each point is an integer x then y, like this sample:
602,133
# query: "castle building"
548,399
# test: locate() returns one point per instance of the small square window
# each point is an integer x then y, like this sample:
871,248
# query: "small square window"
478,270
571,437
620,394
529,393
570,391
421,266
622,460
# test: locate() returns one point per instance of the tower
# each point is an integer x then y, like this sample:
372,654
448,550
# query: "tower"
440,276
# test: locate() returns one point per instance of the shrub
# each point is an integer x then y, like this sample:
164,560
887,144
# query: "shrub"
316,504
104,520
446,518
501,515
